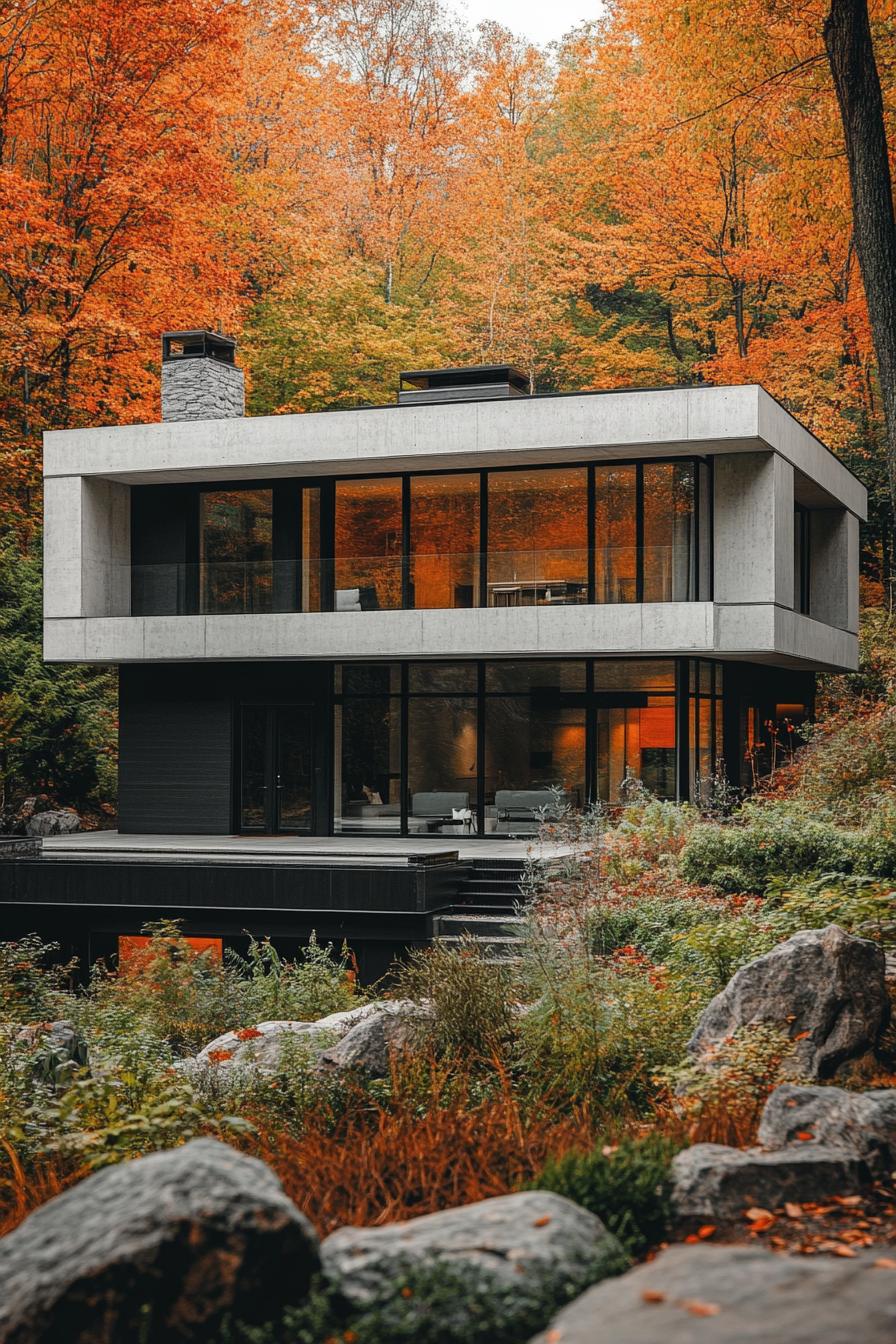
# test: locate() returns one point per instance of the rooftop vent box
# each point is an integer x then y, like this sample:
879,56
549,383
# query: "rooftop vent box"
481,382
198,345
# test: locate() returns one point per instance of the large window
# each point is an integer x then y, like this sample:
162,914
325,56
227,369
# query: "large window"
443,748
534,743
444,540
236,550
500,747
367,750
616,534
547,536
669,536
636,728
368,539
538,537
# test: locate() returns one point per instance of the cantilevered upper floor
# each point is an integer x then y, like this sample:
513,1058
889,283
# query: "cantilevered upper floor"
468,520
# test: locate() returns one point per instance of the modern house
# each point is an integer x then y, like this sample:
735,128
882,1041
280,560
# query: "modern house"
384,636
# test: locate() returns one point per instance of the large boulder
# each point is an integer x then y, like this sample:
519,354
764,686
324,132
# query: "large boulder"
712,1183
864,1123
260,1045
58,821
369,1046
509,1255
195,1232
825,988
56,1050
735,1295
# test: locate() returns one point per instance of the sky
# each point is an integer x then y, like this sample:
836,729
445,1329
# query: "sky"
541,21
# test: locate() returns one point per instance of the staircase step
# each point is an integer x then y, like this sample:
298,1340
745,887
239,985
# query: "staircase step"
479,926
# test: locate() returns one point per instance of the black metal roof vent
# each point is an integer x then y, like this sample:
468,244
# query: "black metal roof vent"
198,345
478,382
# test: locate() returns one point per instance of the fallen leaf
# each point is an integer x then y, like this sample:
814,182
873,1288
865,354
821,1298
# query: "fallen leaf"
804,1135
554,1336
885,1262
542,1222
753,1215
708,1230
848,1201
651,1295
793,1210
762,1224
842,1250
800,1036
697,1308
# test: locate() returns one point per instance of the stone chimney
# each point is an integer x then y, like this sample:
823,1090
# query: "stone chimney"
200,380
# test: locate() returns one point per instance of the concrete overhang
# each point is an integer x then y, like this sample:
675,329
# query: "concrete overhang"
541,429
758,631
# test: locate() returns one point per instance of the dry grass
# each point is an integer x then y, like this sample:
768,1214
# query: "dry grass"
22,1192
379,1163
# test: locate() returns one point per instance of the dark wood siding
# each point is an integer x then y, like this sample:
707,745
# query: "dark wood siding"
175,767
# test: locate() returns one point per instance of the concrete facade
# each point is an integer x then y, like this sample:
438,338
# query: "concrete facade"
762,460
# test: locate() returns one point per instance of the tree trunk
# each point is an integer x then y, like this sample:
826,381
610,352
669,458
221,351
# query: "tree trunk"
847,38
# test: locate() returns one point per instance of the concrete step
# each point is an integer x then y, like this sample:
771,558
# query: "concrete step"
494,924
493,949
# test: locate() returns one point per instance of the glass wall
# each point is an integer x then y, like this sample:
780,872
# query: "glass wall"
444,540
443,748
497,748
367,750
538,537
236,550
616,534
548,536
368,544
636,728
670,551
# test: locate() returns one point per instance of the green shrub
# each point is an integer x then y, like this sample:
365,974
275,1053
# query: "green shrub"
628,1186
601,1033
469,994
270,988
766,840
651,924
713,951
858,904
32,987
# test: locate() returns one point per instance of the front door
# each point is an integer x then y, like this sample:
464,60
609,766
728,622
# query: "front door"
277,769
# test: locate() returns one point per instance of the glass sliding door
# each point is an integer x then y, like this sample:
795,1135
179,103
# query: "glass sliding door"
670,551
443,764
616,534
444,540
368,568
236,551
538,537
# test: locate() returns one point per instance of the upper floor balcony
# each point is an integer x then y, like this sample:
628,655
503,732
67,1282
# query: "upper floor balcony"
703,522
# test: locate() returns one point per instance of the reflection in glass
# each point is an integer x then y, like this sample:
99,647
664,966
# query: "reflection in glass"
634,674
669,549
534,761
367,766
295,773
538,537
444,559
636,743
615,534
310,549
514,676
236,550
433,677
442,764
368,565
253,768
